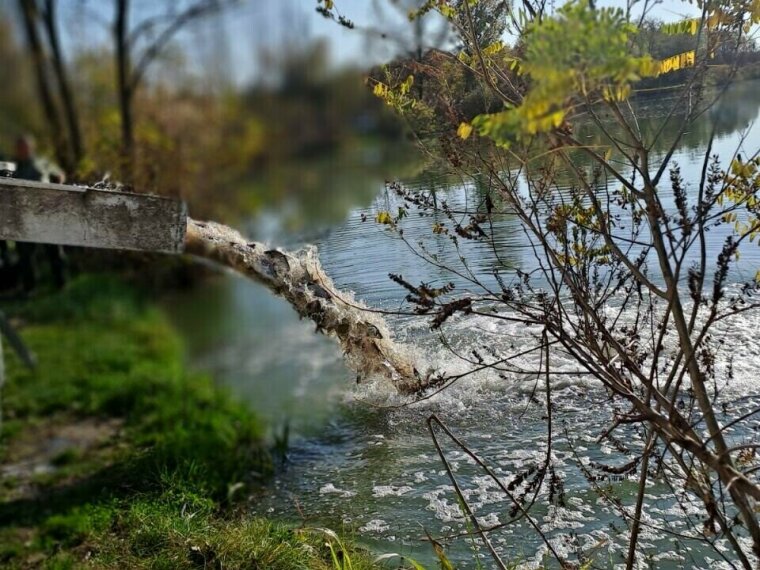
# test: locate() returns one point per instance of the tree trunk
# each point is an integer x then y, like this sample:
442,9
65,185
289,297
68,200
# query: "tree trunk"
64,88
124,88
29,11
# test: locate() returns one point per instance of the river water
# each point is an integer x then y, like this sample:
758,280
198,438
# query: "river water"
356,460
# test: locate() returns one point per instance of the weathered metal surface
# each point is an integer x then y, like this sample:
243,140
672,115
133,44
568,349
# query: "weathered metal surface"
73,215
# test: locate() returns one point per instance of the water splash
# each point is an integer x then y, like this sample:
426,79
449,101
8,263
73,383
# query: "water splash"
298,277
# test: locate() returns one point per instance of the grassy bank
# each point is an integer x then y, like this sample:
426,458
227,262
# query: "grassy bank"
114,456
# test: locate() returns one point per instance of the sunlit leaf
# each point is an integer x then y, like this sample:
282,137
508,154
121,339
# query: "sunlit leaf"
465,130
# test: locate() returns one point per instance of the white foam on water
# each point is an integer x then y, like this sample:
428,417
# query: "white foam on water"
419,477
380,491
375,526
332,489
510,433
736,342
441,505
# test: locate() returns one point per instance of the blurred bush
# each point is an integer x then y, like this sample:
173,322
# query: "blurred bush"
191,140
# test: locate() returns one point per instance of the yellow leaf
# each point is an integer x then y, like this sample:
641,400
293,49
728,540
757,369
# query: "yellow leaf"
447,11
406,86
556,118
493,49
465,130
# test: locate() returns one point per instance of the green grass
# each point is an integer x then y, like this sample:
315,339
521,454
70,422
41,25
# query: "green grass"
162,491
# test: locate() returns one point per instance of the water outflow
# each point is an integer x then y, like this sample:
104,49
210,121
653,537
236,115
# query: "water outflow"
298,278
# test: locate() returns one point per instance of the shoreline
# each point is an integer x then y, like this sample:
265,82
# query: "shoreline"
114,455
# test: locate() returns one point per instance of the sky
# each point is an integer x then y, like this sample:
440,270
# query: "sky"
267,23
362,13
237,37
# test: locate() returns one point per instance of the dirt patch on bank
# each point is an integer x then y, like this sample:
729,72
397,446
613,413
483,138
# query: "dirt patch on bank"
56,451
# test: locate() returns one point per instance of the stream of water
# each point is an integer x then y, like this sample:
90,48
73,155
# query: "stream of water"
355,463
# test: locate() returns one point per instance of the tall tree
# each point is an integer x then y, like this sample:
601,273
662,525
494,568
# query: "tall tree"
124,85
29,10
53,84
50,22
137,46
18,80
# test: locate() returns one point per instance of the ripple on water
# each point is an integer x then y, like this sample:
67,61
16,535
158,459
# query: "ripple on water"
384,462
